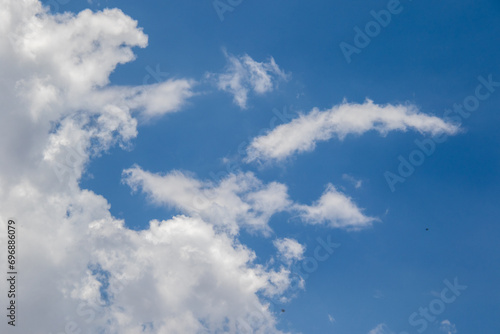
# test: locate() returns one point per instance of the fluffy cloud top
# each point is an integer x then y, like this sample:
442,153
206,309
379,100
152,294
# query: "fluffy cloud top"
334,209
289,249
55,88
244,75
302,133
177,276
197,280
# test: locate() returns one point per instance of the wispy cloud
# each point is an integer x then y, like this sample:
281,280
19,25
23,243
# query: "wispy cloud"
244,75
238,200
242,200
355,182
302,133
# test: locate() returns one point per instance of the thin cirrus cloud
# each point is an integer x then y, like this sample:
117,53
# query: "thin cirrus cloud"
244,75
301,134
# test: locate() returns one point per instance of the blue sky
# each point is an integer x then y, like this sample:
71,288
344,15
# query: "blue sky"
400,244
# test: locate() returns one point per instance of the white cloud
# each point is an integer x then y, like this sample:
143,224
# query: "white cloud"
55,88
447,327
244,75
331,319
179,275
381,329
197,279
239,200
355,182
242,200
58,110
302,133
150,100
334,209
290,249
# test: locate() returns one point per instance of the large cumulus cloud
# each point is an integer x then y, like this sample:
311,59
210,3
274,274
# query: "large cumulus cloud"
81,269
